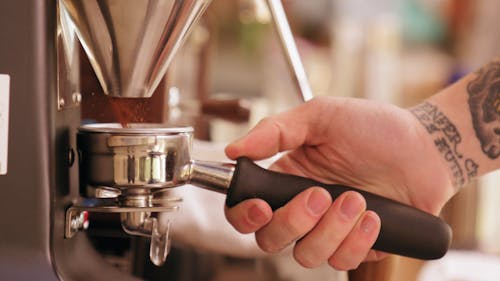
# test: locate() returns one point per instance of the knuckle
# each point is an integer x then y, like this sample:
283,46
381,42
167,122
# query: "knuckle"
266,245
303,259
237,221
243,229
266,121
341,264
271,121
291,225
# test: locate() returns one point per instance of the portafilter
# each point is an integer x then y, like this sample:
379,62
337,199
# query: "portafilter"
153,157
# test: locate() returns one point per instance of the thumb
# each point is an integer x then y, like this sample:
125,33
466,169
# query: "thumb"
285,131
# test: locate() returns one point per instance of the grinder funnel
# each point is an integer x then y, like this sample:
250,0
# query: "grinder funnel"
130,43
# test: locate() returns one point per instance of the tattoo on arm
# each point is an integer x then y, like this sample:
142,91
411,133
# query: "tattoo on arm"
484,103
447,140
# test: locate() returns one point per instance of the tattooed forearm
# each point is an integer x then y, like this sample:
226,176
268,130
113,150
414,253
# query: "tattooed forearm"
447,140
484,103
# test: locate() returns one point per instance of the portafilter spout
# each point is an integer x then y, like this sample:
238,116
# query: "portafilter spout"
130,43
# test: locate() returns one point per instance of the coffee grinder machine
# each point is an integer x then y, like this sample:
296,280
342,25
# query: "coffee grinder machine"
40,113
53,171
130,43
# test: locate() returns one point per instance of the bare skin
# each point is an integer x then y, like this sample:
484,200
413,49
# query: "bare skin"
419,156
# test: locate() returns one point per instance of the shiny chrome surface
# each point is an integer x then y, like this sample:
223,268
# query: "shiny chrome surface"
134,129
290,49
137,209
130,43
102,192
142,156
145,224
212,175
170,204
129,168
68,63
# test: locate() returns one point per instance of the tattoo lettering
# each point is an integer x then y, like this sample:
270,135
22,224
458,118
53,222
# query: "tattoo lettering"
452,159
471,168
447,140
435,121
484,103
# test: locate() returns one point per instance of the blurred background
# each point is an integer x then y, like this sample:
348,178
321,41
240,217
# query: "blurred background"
232,72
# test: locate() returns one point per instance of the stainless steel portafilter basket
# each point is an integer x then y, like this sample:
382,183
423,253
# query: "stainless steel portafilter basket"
141,156
143,159
124,170
148,157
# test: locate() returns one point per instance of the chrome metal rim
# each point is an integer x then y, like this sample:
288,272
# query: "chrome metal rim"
134,128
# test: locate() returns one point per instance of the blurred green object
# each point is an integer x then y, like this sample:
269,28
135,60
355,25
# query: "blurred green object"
422,23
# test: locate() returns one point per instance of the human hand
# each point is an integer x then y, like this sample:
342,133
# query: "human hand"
376,147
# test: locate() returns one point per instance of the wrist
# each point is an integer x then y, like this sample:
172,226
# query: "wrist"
448,118
445,140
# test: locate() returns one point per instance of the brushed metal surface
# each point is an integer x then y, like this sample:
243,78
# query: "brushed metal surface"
130,43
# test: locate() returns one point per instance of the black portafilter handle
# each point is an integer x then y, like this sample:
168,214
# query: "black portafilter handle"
405,230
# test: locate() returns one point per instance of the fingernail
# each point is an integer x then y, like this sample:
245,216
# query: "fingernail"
256,215
318,202
368,224
352,206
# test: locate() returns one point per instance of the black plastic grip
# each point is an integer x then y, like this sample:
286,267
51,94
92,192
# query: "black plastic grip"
405,230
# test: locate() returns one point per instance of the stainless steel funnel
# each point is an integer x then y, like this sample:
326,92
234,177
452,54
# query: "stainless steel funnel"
130,43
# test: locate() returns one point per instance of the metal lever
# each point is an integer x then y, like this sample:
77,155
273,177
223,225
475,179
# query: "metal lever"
290,49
